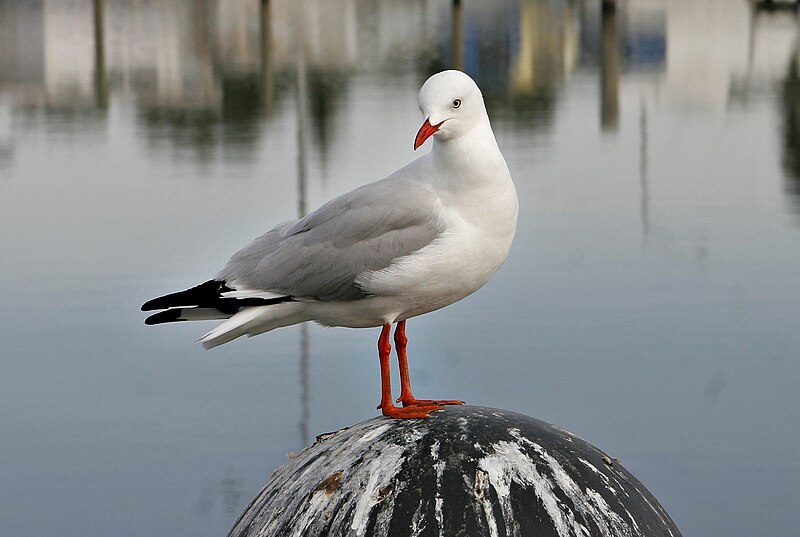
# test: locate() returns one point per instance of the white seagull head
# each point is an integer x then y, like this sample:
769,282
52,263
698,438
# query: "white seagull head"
452,105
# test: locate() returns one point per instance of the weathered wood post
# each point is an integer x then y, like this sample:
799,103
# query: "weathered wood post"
610,66
466,471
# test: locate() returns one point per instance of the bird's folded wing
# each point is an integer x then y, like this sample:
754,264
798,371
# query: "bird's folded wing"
319,257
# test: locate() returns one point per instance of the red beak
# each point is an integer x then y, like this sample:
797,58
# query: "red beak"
425,131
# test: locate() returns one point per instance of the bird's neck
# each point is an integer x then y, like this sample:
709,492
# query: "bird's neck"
475,151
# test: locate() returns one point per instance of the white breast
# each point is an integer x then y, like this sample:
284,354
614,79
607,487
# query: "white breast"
479,227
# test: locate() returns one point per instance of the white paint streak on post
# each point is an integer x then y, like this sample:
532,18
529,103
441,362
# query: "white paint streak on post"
374,433
438,501
600,474
595,508
315,504
418,524
481,491
509,464
381,471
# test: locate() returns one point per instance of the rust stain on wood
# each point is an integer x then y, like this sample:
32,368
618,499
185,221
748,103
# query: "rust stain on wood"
331,483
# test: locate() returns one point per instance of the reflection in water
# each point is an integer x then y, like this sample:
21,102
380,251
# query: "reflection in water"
215,94
775,26
202,74
230,488
776,5
790,99
771,27
546,55
714,388
305,386
326,88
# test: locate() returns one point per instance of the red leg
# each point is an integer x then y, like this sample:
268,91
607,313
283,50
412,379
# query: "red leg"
406,397
386,406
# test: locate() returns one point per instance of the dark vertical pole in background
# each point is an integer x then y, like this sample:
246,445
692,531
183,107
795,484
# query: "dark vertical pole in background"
267,77
645,190
100,83
458,35
302,179
304,383
609,67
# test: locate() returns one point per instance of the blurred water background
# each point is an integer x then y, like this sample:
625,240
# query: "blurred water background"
650,303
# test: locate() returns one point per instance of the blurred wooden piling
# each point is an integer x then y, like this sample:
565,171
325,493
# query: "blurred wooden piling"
609,69
100,82
458,35
267,75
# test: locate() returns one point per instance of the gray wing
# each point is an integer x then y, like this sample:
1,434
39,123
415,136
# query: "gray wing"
319,256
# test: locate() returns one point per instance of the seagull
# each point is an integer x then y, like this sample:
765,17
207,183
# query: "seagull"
421,239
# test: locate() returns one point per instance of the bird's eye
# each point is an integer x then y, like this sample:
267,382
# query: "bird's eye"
456,103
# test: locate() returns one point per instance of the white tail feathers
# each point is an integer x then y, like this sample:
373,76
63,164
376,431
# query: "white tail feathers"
252,321
251,293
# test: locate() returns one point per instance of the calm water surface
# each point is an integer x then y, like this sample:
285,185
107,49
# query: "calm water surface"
650,303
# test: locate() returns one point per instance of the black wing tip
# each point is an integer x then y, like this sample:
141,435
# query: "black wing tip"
205,295
195,296
168,316
150,305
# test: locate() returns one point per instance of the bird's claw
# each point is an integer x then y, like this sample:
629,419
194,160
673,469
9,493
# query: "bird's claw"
410,412
413,401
